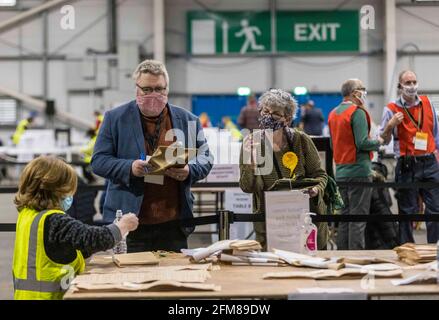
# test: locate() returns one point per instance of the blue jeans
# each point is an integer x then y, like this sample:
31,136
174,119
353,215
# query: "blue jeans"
420,169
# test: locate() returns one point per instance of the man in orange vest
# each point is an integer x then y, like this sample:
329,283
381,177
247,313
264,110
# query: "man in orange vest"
416,138
349,126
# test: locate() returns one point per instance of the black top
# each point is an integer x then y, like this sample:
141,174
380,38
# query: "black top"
63,235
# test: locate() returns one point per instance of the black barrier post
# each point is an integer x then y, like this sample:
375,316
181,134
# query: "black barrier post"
225,218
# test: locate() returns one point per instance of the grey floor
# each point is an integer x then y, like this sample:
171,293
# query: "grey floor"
8,214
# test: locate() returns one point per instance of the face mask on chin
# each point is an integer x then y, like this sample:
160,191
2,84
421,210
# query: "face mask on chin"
361,98
151,105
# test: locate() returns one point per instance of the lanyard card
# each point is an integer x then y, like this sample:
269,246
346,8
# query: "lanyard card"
421,139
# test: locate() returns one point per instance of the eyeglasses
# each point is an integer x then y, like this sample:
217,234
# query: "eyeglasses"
149,90
361,89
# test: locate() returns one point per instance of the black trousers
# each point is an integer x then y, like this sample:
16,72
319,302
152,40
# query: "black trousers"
165,236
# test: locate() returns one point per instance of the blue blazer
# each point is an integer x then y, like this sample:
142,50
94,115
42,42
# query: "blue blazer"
120,141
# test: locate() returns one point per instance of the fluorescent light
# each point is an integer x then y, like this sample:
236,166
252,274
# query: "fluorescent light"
300,91
8,3
243,91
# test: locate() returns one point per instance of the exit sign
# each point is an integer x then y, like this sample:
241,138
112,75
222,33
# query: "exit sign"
238,32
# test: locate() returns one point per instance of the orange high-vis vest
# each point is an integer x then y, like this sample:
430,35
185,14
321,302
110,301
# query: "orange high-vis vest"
407,130
343,140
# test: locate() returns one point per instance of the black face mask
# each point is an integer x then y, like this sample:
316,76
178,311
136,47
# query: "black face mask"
268,122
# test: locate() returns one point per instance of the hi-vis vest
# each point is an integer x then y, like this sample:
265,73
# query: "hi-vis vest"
343,140
21,128
35,275
407,130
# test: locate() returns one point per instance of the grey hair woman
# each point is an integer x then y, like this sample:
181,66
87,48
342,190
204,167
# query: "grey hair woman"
277,109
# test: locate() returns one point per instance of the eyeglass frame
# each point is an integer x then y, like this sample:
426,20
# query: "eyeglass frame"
160,90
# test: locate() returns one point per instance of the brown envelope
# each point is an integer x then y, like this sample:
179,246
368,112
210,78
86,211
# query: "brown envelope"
166,157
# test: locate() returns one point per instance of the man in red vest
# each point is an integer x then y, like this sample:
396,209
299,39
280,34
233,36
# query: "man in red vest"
349,126
416,138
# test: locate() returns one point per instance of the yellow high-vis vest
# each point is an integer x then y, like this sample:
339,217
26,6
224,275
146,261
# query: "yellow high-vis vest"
35,275
21,128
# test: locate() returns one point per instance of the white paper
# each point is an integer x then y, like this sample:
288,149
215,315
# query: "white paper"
284,214
154,179
375,267
202,253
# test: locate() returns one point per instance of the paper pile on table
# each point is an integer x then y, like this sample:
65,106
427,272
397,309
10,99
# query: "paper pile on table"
332,274
413,254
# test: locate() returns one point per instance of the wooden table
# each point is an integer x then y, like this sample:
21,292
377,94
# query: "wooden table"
246,282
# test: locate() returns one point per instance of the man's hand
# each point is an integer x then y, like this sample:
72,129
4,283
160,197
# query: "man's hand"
127,223
139,168
179,174
396,119
380,141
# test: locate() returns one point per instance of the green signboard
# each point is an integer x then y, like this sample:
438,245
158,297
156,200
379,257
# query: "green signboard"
250,32
317,31
229,32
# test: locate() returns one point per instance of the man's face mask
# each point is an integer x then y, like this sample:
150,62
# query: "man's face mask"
410,90
151,105
361,96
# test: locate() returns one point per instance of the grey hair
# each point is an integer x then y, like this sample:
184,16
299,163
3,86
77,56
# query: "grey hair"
280,100
154,67
349,86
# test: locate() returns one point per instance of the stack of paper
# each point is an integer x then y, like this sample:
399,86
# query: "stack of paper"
332,274
214,250
138,258
251,258
301,260
413,254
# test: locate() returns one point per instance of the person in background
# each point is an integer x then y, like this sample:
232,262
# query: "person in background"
412,121
131,132
312,121
87,153
99,117
349,125
204,120
22,126
51,246
229,125
277,109
249,116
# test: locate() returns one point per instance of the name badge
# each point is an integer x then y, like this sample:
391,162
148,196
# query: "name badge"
421,139
154,179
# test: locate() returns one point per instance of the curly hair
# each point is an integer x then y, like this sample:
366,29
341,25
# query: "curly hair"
280,101
44,182
154,67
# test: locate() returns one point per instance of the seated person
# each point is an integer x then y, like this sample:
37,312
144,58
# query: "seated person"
277,109
50,246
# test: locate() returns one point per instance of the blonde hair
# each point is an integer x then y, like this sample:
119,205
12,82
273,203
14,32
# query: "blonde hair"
154,67
44,182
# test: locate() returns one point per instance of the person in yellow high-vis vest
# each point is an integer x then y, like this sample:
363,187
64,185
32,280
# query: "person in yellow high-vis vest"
50,246
22,126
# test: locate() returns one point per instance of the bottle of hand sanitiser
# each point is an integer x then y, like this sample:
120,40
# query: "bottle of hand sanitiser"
308,235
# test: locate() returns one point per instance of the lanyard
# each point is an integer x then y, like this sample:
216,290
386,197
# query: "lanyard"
420,118
153,140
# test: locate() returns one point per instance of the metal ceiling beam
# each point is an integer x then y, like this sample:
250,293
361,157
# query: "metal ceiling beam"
28,14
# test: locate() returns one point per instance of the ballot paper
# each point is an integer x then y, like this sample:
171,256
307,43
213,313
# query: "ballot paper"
199,254
301,260
194,276
332,274
154,286
376,267
241,259
206,267
427,277
137,258
325,290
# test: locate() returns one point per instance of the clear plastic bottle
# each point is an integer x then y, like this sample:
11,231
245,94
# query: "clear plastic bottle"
437,263
121,247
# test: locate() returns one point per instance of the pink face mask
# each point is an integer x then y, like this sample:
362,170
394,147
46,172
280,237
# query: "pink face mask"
151,105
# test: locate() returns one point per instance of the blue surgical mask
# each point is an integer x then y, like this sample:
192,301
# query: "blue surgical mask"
66,203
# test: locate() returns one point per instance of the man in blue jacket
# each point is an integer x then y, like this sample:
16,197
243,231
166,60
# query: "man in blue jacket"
136,129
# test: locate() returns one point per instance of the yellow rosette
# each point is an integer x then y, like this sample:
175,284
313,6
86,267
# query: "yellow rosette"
289,161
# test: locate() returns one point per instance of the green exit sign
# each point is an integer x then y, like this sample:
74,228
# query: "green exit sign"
250,32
